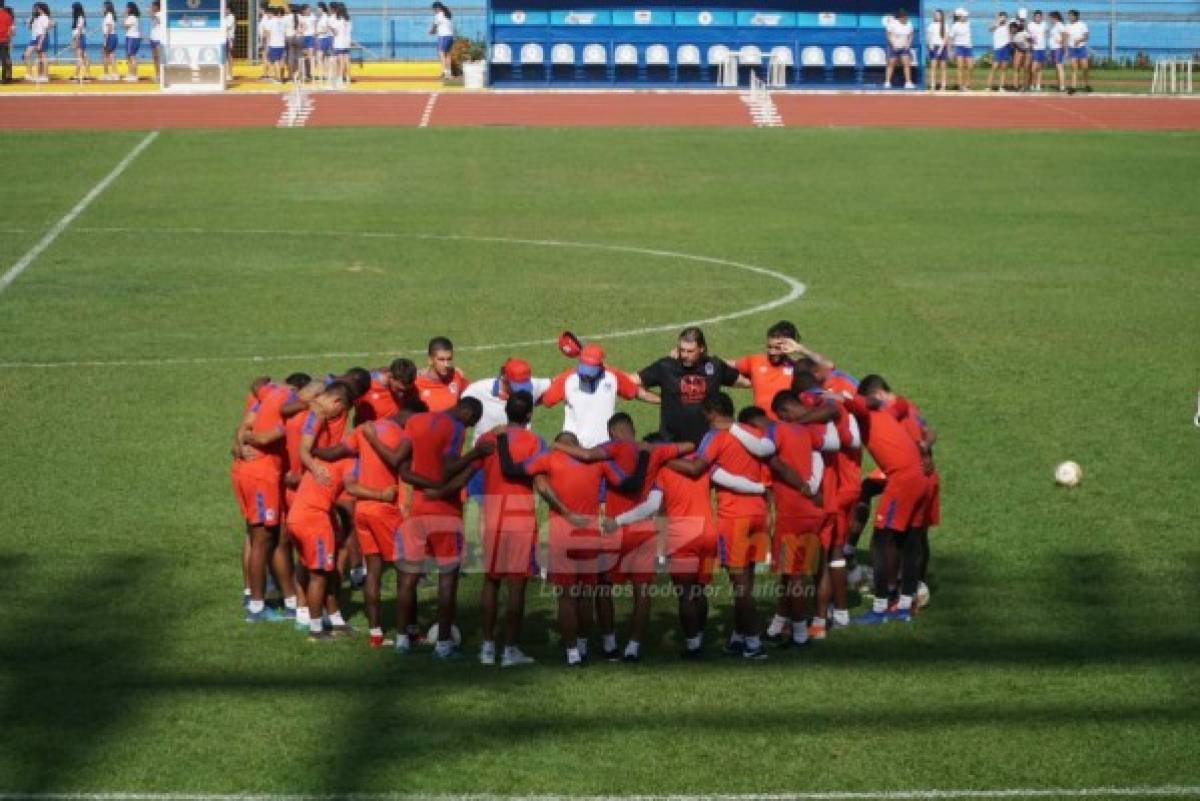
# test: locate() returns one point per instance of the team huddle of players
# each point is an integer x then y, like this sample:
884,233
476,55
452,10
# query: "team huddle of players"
370,469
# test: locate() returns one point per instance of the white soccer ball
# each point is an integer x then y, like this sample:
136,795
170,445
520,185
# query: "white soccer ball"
1068,474
922,594
432,637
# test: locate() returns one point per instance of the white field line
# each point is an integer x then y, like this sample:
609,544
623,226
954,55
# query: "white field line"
1168,791
427,114
68,218
795,291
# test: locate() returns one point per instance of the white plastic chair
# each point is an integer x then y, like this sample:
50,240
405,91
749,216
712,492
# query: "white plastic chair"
562,54
501,53
874,57
782,55
532,53
843,57
687,56
717,55
625,55
812,57
750,56
594,54
658,56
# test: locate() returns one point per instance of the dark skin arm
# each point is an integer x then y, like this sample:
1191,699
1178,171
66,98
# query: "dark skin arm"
334,453
508,467
633,482
392,457
262,438
788,475
386,495
819,414
692,468
451,487
542,485
582,454
459,463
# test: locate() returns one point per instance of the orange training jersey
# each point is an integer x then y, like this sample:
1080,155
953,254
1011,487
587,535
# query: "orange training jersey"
505,500
436,437
794,447
886,438
373,472
268,416
313,496
719,448
576,483
378,403
766,379
687,502
440,395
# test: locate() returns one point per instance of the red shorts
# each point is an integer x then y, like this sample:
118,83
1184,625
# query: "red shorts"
510,547
846,501
742,541
575,553
638,556
798,544
932,513
377,527
902,504
691,550
438,537
312,531
258,488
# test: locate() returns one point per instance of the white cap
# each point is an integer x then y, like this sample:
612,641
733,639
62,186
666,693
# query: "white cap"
960,12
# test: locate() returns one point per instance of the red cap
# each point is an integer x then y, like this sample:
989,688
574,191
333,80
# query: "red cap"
568,343
517,371
592,355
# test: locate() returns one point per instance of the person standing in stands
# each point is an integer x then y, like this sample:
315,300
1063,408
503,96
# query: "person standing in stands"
964,52
935,39
1037,56
79,41
343,36
108,43
39,40
1001,50
133,40
156,36
443,28
899,48
6,30
1058,48
1077,44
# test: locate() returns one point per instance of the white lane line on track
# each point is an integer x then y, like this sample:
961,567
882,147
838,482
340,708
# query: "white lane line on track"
427,114
795,291
1173,791
46,241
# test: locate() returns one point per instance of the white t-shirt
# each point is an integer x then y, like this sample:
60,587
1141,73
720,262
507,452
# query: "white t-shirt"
324,31
80,28
444,26
40,26
275,32
587,413
933,35
341,34
493,406
960,33
230,25
156,26
1037,32
1021,40
1077,33
289,25
899,34
308,24
108,25
133,27
1000,37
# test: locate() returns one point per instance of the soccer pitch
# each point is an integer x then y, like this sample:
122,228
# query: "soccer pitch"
1038,294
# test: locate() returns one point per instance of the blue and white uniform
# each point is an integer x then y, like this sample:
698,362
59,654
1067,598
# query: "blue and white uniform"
108,32
133,35
276,38
308,30
156,29
1037,35
899,37
39,33
1077,38
79,33
324,33
960,39
1001,44
444,29
1058,43
935,40
341,36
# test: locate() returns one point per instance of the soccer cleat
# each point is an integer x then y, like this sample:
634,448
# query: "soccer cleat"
358,577
611,656
732,648
452,655
267,615
816,632
375,641
319,636
487,654
287,614
515,658
871,618
758,653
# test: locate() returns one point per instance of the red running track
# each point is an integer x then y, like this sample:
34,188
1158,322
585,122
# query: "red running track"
561,108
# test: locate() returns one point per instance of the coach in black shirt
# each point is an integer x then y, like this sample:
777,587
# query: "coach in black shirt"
685,380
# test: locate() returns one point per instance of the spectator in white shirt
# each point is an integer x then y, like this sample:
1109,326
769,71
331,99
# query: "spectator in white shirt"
79,41
308,38
1001,51
1037,56
324,39
899,48
937,44
276,43
1058,48
964,52
39,42
133,40
156,34
443,28
1020,50
230,24
1077,44
343,37
108,42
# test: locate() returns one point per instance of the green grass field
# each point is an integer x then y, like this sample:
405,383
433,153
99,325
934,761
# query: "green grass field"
1037,293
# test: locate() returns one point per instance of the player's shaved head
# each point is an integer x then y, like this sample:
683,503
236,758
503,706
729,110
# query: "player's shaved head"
298,380
872,384
468,411
519,408
440,344
567,438
752,415
441,357
719,405
784,403
620,426
803,381
359,380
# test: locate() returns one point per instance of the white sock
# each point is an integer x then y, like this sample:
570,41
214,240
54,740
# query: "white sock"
879,605
255,606
776,627
574,657
302,615
632,647
336,619
315,627
289,602
753,643
610,642
581,646
735,637
376,632
905,602
693,643
841,616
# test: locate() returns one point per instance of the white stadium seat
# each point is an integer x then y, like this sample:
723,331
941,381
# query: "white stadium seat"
562,54
625,55
532,53
843,57
781,55
750,56
594,54
687,56
658,56
812,57
874,57
717,55
501,53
